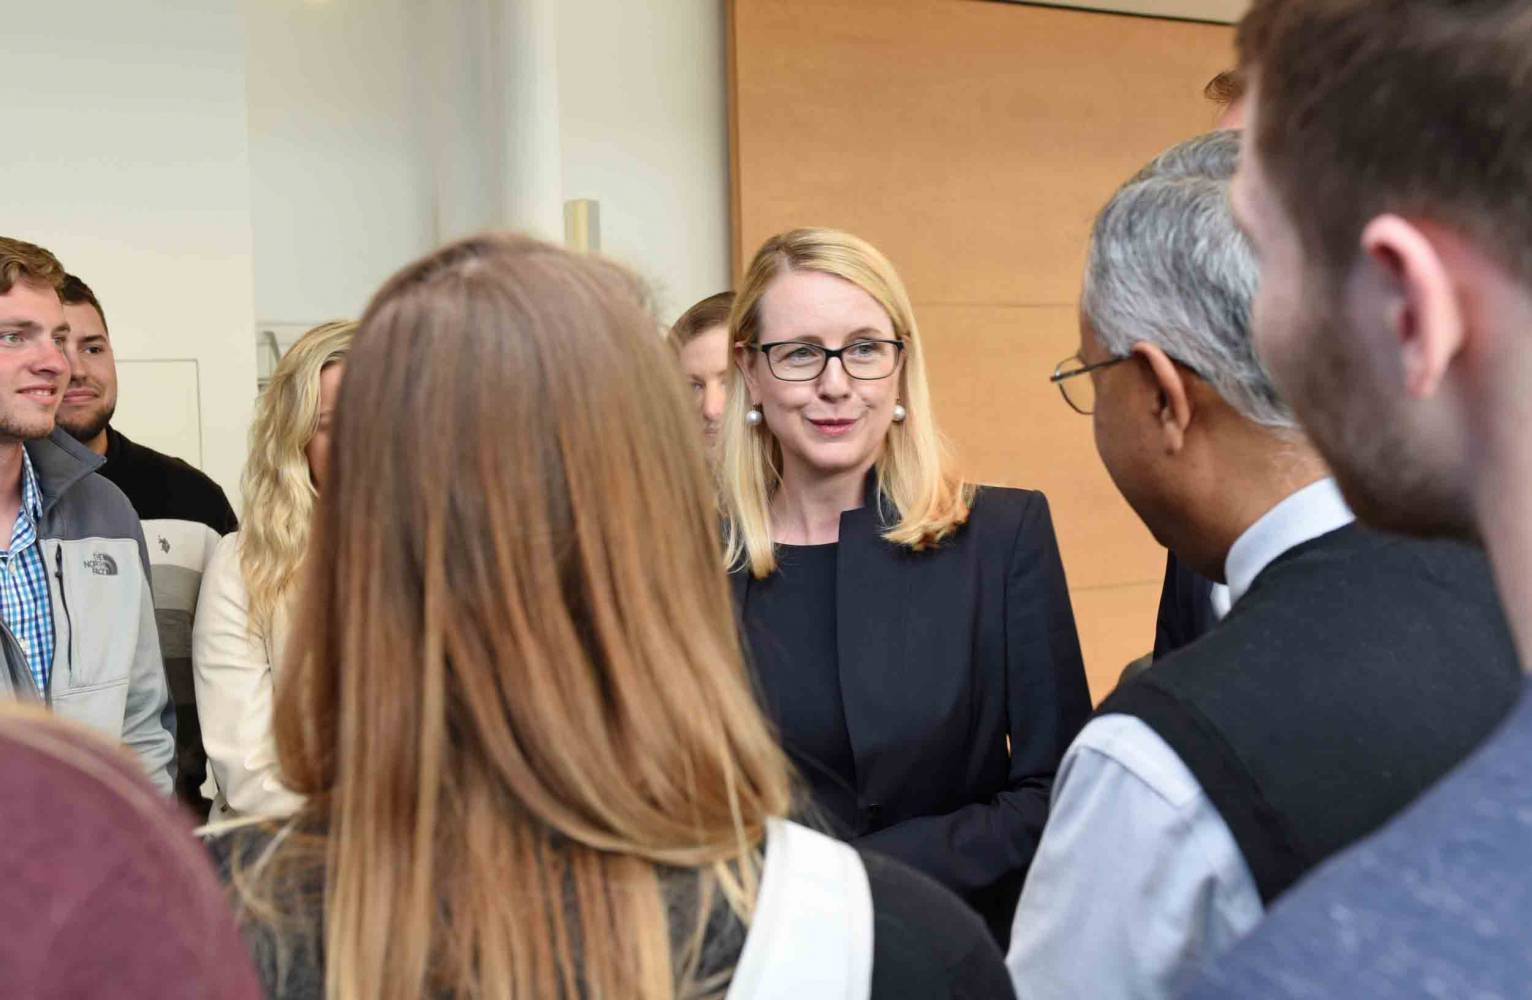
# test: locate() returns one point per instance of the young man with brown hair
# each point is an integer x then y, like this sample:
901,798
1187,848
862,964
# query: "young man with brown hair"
79,632
1385,184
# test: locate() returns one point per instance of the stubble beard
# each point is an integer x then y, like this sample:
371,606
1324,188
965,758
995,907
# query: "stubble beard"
85,427
1365,437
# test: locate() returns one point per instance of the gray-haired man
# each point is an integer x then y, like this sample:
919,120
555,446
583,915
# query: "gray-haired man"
1352,670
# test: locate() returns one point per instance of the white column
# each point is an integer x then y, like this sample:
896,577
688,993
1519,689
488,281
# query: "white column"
532,179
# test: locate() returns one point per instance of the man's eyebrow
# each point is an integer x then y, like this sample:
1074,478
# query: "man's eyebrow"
24,325
91,338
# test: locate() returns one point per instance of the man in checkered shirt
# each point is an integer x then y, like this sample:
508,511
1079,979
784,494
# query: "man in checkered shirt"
77,625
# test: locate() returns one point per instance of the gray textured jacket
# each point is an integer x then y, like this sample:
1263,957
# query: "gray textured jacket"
107,672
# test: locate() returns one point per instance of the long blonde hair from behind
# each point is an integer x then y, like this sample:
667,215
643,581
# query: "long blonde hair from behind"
279,492
514,688
915,471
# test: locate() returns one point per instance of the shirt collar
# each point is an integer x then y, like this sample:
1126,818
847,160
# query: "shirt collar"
1315,510
31,495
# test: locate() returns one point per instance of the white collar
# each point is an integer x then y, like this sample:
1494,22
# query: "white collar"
1315,510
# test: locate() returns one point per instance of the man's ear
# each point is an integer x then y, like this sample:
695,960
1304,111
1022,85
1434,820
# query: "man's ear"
1413,294
1173,405
744,359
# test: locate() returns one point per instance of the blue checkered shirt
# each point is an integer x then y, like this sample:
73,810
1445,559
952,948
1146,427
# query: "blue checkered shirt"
24,603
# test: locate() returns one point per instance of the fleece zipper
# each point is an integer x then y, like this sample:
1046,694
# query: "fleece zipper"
58,574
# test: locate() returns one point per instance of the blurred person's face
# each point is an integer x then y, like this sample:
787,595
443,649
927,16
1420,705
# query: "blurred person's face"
1333,348
705,362
33,369
91,397
833,423
318,450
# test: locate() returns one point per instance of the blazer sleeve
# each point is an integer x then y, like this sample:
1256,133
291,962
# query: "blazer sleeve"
235,691
982,850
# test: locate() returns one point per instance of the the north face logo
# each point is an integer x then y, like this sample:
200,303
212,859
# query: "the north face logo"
101,564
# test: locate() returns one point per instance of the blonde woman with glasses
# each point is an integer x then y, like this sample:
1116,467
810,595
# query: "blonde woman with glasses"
245,602
532,762
911,635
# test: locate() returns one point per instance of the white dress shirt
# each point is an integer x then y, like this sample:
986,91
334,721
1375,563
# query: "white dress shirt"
1137,880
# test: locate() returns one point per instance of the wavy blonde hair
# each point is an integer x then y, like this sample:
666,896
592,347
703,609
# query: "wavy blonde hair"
279,492
915,471
514,689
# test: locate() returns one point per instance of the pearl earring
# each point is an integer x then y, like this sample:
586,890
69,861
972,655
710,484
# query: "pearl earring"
753,417
900,413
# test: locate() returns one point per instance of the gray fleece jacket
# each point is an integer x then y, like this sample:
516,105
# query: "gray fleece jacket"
107,671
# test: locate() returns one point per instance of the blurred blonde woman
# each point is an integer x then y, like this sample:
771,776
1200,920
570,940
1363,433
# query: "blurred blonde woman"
244,605
532,762
912,635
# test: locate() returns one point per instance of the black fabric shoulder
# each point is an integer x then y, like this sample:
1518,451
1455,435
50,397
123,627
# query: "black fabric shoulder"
163,487
287,947
926,943
998,514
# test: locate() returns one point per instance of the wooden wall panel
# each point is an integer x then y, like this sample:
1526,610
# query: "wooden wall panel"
989,368
973,142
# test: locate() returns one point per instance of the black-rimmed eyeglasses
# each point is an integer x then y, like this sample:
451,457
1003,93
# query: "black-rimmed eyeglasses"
1080,393
797,361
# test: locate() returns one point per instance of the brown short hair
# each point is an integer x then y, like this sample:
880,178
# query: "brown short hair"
1418,107
22,261
1226,88
75,292
705,315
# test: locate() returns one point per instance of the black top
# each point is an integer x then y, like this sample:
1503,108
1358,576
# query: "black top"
961,686
1357,670
161,487
925,943
1186,608
790,627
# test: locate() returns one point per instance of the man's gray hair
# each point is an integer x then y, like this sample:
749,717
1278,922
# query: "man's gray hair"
1169,266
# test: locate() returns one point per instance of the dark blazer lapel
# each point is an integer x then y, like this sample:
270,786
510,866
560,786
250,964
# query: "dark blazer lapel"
872,592
739,580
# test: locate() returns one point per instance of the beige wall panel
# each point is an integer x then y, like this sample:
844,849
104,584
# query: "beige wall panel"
989,367
971,141
1121,629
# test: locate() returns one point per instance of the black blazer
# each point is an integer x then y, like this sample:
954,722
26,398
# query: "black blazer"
1186,608
943,656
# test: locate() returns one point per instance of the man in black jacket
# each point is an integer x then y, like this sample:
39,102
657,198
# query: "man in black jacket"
1352,670
183,513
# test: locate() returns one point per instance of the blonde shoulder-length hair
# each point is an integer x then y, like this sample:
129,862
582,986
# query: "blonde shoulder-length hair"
279,492
916,478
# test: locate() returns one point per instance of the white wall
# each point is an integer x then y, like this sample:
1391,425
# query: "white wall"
126,154
380,128
208,167
643,112
340,166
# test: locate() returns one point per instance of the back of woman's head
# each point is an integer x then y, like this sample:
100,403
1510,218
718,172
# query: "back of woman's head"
515,683
279,492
